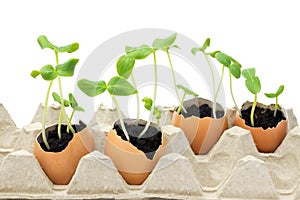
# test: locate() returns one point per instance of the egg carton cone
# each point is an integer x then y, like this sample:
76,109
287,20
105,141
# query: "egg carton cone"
233,168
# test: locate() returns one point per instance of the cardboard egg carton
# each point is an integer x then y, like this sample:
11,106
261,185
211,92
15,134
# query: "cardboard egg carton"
233,169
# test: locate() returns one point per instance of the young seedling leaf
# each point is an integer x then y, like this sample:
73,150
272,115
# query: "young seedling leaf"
253,84
273,95
45,43
147,103
157,113
186,90
138,53
91,88
67,68
195,50
69,48
223,58
57,98
125,66
235,70
213,54
247,73
120,87
47,72
165,43
175,46
35,73
74,103
205,45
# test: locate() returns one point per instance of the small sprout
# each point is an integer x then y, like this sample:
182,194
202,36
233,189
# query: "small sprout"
165,43
275,95
138,53
148,102
50,73
253,85
226,61
186,91
57,98
117,86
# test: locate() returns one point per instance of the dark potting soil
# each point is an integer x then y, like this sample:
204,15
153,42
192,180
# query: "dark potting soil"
202,111
150,141
56,144
263,117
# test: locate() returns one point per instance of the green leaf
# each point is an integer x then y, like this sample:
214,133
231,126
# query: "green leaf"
195,50
273,95
157,113
125,66
47,72
120,87
138,53
247,73
74,103
223,58
91,88
205,45
69,48
57,98
270,95
147,103
235,70
253,84
187,91
280,90
175,46
213,54
164,43
35,73
67,68
45,43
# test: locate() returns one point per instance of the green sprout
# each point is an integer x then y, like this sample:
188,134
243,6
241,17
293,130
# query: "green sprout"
71,102
253,84
125,65
50,73
186,91
117,86
275,95
233,66
148,102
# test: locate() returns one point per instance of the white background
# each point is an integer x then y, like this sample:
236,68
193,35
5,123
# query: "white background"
262,34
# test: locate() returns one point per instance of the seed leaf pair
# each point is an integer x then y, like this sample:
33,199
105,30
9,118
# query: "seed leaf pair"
116,86
44,43
48,72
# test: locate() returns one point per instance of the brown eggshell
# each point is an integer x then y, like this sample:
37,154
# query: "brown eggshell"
267,140
60,166
202,133
131,162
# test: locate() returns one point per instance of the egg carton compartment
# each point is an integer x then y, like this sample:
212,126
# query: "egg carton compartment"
233,169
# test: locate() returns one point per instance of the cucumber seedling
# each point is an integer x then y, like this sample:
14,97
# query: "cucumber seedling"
148,102
50,73
275,95
125,65
117,86
233,66
252,83
185,92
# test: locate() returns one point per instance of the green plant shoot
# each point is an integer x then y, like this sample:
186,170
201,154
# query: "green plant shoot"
275,95
71,102
226,61
185,92
125,65
148,102
117,86
252,83
49,73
